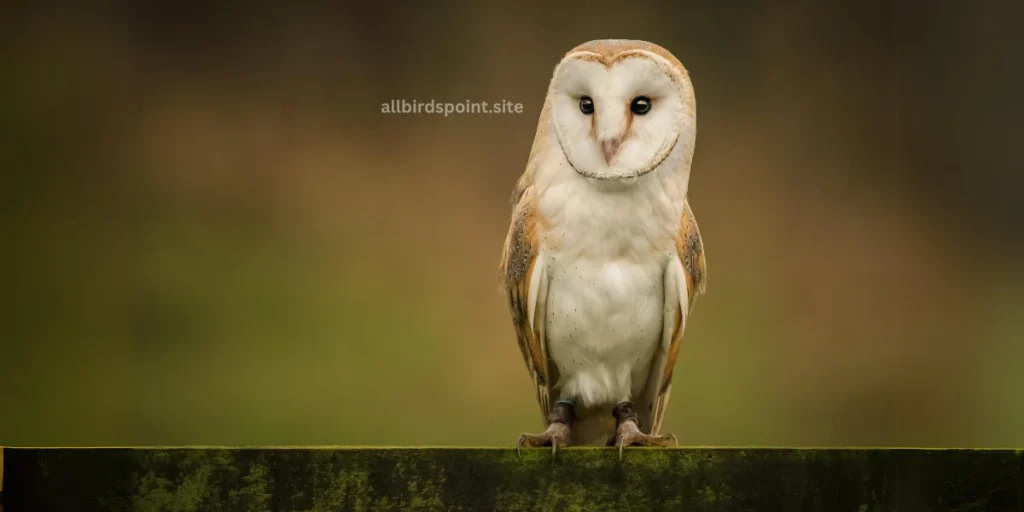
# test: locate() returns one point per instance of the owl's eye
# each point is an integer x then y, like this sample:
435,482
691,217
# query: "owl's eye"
586,105
641,105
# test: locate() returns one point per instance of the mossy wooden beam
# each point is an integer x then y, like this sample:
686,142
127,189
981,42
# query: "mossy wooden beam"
331,479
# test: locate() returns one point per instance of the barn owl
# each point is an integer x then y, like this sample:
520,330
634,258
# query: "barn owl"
603,259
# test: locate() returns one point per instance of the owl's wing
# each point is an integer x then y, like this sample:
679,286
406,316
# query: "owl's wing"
684,279
525,284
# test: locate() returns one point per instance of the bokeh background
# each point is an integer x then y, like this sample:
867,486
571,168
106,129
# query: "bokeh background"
216,237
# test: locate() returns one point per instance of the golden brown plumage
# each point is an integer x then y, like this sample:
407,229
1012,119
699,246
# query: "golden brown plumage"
517,265
690,247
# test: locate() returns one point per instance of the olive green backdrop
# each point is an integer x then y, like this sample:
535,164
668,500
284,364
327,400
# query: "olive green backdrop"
215,236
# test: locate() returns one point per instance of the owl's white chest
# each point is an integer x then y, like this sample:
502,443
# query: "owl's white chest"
605,253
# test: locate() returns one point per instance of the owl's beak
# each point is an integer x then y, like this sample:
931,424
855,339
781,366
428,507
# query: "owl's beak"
610,147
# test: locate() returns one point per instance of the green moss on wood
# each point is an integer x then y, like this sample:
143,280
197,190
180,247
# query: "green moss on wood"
315,480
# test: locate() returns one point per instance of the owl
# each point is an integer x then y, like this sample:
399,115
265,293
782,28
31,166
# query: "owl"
603,259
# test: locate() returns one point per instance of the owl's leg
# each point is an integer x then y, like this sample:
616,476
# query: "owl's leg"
557,433
627,430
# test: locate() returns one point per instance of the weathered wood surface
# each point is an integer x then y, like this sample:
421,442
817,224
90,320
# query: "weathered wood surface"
331,479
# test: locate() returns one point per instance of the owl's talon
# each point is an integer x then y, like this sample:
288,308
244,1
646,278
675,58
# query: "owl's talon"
628,433
556,435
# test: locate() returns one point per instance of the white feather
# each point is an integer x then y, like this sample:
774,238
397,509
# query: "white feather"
534,289
605,253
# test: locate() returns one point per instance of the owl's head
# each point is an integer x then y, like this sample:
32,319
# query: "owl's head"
620,107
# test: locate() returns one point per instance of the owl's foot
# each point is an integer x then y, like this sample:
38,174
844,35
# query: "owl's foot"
628,430
557,433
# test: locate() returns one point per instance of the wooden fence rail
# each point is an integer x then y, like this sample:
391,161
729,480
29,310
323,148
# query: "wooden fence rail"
332,479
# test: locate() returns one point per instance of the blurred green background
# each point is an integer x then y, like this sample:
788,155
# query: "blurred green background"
217,238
